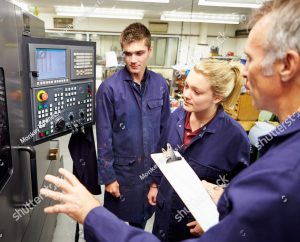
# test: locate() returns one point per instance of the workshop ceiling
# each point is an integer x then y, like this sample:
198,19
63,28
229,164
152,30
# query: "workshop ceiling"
151,10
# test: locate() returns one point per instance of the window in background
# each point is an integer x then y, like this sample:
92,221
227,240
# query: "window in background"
164,51
164,48
105,43
66,35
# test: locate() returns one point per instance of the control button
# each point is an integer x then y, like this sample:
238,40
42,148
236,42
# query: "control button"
59,123
42,134
61,98
40,107
42,96
47,132
46,105
50,105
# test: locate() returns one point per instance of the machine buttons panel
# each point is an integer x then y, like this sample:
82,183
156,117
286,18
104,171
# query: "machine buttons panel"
83,63
61,74
63,108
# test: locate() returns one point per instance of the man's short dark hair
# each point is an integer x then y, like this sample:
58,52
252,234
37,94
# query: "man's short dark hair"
135,32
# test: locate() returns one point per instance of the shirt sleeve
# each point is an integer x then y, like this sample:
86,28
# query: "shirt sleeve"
259,206
104,120
165,113
102,226
241,153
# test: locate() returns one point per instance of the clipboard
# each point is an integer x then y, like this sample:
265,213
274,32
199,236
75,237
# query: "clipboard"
189,188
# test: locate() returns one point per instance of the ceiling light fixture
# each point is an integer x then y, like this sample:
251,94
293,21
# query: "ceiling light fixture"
229,4
201,17
20,4
146,1
99,12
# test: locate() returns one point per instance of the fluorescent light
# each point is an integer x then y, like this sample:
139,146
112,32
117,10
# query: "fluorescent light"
146,1
230,4
201,17
99,12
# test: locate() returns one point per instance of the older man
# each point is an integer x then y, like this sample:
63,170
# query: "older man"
262,203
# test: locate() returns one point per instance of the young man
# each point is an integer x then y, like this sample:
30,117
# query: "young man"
262,202
132,107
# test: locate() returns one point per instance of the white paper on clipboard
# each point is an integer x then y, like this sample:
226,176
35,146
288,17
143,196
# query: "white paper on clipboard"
189,188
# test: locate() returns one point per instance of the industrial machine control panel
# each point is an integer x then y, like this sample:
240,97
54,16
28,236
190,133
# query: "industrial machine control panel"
61,74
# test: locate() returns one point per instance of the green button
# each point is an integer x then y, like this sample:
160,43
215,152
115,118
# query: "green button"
47,132
40,107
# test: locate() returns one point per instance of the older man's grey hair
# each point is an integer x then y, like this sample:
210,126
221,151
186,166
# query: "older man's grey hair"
283,30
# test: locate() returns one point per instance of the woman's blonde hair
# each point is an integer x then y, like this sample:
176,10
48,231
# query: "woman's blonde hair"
225,78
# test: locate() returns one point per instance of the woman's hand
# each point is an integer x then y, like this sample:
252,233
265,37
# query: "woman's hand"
195,228
213,190
75,200
152,194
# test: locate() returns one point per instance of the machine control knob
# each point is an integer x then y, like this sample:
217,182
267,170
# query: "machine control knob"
42,96
59,123
81,114
71,116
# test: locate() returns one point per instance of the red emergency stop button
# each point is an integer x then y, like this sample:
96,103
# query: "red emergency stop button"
42,96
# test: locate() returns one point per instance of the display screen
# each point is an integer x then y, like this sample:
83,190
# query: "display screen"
51,63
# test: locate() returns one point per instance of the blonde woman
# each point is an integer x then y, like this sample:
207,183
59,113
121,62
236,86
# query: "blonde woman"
213,144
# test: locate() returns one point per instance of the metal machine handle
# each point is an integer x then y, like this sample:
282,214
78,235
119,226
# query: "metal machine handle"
33,169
